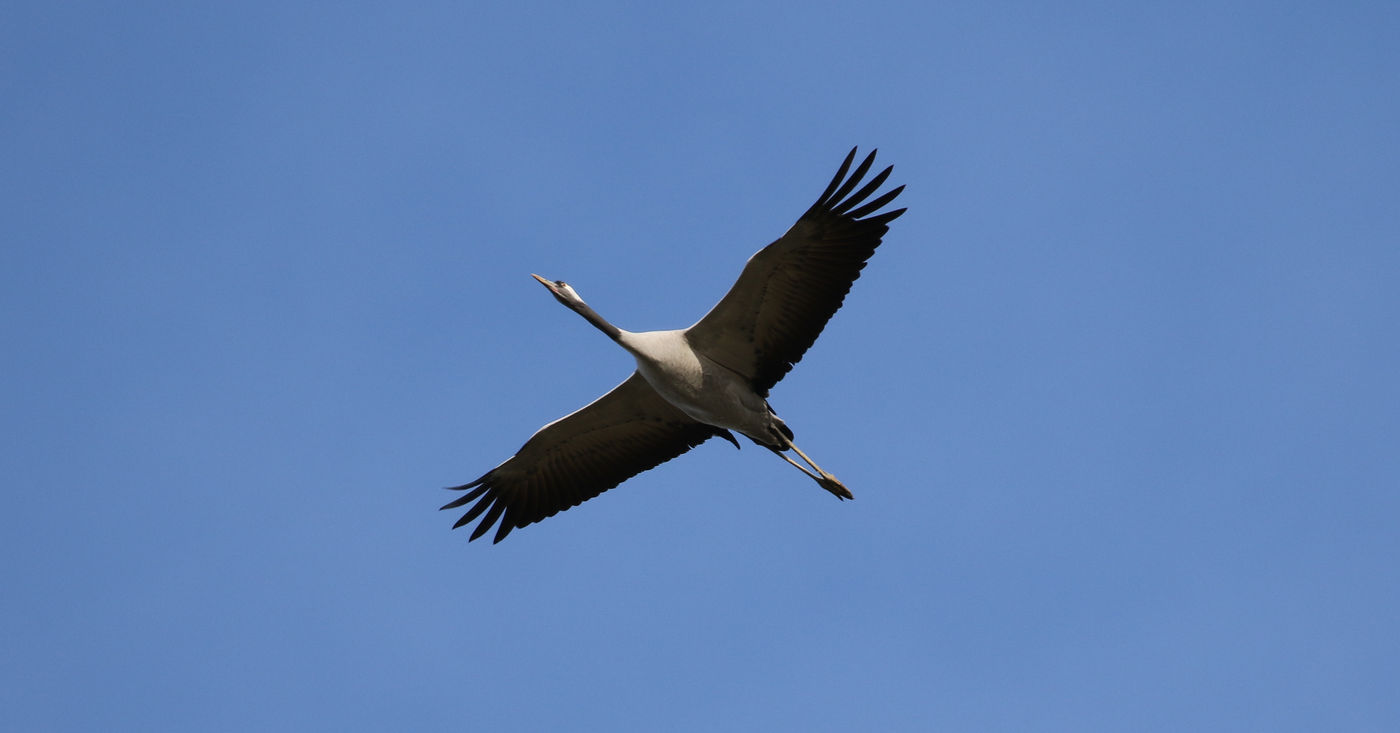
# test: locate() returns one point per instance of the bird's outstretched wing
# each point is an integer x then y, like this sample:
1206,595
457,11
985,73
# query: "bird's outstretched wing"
579,456
791,288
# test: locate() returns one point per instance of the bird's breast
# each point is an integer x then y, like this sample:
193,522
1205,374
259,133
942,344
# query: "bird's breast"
695,384
675,373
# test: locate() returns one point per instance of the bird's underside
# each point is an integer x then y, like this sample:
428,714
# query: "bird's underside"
701,382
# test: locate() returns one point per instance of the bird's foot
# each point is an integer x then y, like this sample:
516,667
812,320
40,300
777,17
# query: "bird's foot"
830,483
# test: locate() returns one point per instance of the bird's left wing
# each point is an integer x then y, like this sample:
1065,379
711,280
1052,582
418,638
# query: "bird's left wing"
579,456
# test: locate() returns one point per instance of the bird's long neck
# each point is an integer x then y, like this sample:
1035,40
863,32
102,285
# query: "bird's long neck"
598,321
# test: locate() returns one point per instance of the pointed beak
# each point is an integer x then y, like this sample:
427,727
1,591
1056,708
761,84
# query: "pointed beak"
543,282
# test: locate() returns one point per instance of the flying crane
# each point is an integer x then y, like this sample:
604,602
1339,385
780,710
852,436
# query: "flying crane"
700,382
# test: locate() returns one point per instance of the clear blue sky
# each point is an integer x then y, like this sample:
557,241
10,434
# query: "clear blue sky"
1117,398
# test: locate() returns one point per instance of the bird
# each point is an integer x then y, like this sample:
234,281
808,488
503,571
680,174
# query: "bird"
709,380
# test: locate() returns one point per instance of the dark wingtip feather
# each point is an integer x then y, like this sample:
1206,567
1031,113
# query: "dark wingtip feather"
475,511
864,193
464,487
463,499
487,521
836,179
875,205
851,182
886,217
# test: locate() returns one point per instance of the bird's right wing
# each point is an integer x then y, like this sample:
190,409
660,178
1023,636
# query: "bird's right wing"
791,288
579,456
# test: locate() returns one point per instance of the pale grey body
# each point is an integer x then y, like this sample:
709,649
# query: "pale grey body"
702,388
700,382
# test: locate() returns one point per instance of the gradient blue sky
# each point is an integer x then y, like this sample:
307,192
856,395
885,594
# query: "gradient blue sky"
1117,398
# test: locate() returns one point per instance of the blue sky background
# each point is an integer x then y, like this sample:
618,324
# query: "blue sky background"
1117,398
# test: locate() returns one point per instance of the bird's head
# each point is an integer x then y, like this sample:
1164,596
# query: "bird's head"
563,292
566,295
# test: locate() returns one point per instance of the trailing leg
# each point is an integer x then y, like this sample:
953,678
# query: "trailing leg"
823,479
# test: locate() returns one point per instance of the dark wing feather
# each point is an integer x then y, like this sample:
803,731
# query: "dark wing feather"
577,457
791,288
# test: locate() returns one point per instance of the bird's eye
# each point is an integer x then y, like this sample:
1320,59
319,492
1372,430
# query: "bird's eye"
561,283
